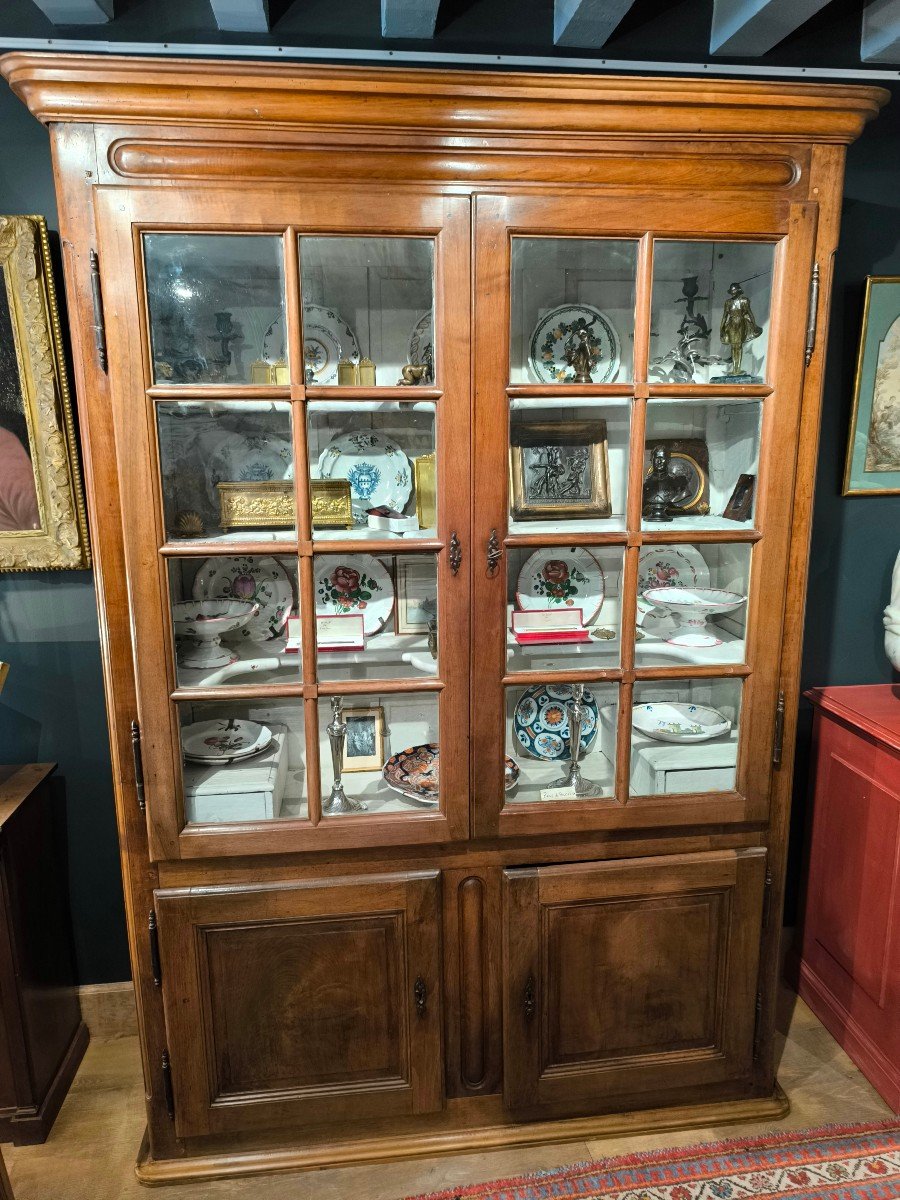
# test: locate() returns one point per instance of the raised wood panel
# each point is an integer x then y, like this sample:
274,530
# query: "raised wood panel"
625,981
310,1002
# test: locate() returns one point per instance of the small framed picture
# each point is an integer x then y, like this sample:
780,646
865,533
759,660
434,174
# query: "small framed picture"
364,744
416,582
559,469
740,506
873,450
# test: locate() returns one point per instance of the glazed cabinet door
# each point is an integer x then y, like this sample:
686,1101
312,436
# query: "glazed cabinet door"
630,984
638,374
290,377
302,1003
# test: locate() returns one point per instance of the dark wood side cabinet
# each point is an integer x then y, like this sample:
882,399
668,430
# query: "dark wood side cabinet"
850,964
285,281
42,1036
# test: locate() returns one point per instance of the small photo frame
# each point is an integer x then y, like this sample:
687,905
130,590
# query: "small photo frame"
416,582
364,743
559,469
740,506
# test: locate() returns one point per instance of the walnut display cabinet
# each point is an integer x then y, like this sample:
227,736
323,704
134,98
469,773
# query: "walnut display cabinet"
375,909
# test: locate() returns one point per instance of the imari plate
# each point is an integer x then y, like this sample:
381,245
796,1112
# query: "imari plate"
416,773
541,720
668,722
547,358
327,338
354,583
375,467
561,578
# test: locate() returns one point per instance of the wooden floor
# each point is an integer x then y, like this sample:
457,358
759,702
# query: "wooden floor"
91,1151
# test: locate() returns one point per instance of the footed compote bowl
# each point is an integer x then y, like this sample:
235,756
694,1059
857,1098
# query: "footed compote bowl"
202,623
691,608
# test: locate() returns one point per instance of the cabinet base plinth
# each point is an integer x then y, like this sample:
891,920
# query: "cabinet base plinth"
461,1137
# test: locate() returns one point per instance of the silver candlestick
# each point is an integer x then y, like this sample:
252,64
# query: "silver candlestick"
339,801
574,778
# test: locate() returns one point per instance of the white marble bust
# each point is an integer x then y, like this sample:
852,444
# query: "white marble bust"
892,620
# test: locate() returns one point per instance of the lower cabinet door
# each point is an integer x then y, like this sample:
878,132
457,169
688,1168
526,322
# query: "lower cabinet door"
630,984
302,1003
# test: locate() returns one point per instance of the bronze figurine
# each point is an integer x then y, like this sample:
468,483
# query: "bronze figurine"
738,326
579,354
662,488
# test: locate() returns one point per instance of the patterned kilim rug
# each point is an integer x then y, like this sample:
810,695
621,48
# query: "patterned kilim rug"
835,1162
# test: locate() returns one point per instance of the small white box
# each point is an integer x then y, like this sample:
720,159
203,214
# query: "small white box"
238,791
393,524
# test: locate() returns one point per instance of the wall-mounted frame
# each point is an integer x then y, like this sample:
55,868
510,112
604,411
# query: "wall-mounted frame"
42,517
873,449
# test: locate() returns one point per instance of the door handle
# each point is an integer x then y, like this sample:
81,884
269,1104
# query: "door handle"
494,553
420,995
455,553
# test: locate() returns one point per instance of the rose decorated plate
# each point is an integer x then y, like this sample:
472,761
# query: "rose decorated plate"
327,338
541,720
262,581
224,740
561,577
415,773
375,467
669,566
547,357
354,583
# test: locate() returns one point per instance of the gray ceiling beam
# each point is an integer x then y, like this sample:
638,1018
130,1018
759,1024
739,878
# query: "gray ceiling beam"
409,18
76,12
241,16
587,23
881,32
753,27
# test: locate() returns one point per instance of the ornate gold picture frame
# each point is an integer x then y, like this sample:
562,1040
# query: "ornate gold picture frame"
42,518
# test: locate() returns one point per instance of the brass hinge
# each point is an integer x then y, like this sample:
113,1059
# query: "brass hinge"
167,1084
757,1024
813,317
155,963
138,765
99,322
767,899
778,743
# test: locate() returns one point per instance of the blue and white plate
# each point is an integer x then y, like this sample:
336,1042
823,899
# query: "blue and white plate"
541,721
375,467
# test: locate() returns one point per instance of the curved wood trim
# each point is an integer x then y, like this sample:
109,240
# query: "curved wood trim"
108,88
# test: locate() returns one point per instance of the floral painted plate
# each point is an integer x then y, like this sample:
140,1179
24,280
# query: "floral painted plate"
248,458
262,581
541,720
562,578
547,359
416,773
420,348
224,740
354,583
668,722
669,566
327,338
376,468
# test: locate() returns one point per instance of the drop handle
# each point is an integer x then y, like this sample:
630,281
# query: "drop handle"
494,553
455,553
420,996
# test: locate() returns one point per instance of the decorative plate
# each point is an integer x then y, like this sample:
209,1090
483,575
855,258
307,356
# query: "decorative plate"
248,458
420,347
679,722
327,338
548,344
562,578
376,468
415,773
669,566
354,583
225,739
274,347
260,580
541,720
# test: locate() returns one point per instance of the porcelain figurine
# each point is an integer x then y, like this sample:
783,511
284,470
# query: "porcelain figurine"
892,620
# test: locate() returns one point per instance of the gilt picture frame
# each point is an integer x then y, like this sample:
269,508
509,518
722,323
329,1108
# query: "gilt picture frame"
872,466
43,525
364,743
559,470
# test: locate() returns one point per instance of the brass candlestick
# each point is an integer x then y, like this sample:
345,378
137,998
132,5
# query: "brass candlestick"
339,801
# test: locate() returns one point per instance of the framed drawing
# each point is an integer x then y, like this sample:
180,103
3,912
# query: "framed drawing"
364,744
873,450
42,517
559,470
416,582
